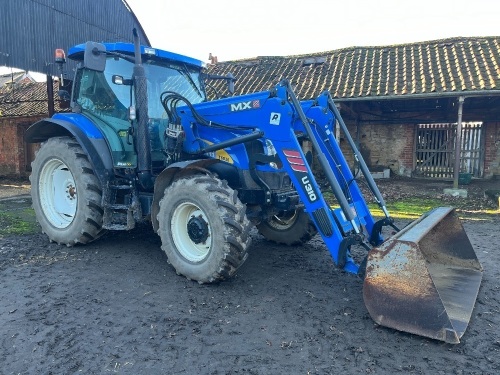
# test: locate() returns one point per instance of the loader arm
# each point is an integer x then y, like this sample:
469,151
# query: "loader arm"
423,280
414,280
340,228
278,116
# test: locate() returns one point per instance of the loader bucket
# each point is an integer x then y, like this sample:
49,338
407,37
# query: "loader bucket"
425,279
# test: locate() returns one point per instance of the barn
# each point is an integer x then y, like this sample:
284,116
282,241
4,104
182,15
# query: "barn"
64,24
405,105
402,103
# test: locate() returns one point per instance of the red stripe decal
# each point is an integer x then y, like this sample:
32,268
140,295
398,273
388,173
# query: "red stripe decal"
292,153
299,168
295,160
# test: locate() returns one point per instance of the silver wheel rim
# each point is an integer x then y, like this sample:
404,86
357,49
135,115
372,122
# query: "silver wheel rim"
57,190
193,252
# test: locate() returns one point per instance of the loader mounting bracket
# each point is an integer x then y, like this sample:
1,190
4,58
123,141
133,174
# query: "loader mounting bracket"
375,238
345,245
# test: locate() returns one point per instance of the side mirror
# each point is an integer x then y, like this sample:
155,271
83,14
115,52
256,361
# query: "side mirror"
94,57
119,80
64,95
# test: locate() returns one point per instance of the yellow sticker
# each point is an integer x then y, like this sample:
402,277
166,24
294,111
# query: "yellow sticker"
224,156
221,154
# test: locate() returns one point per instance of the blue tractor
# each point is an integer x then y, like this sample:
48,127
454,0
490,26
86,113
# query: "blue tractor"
143,143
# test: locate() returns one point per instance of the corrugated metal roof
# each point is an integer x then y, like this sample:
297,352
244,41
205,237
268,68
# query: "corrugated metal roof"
456,65
30,30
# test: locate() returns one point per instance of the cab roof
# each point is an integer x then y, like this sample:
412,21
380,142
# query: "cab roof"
76,53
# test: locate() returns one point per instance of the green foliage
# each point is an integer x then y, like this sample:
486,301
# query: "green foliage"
18,222
411,208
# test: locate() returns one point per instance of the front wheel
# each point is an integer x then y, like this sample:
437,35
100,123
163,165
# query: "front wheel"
288,228
65,192
203,228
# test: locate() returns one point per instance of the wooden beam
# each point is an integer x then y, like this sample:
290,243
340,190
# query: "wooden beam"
458,142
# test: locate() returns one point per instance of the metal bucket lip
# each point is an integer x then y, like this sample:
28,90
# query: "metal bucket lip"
415,280
437,214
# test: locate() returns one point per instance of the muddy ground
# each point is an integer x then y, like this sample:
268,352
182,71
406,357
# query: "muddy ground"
116,306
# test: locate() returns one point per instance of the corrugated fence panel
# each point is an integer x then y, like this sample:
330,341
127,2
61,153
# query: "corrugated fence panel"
30,30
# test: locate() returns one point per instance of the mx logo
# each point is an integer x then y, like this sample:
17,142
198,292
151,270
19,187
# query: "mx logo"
251,104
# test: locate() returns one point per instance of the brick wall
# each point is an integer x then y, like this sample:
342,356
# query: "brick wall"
492,150
384,146
392,146
14,152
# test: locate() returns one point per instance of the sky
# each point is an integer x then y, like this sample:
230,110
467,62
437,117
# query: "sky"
235,29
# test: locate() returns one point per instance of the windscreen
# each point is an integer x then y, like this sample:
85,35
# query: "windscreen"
98,94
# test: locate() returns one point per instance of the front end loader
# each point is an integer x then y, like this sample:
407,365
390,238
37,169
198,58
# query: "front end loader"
425,278
143,143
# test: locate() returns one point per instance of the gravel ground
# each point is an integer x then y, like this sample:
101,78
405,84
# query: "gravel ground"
12,187
116,306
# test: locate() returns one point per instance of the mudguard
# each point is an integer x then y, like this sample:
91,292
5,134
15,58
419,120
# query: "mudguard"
84,131
166,177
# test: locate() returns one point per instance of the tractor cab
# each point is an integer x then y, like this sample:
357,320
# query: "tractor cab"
103,91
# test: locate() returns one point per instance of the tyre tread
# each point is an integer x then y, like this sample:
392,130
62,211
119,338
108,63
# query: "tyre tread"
236,225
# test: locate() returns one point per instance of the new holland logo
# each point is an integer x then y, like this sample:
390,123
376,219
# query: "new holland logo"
251,104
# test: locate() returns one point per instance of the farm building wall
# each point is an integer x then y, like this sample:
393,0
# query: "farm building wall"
393,146
383,146
15,154
492,150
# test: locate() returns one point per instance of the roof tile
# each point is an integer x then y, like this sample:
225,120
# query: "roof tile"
26,99
439,66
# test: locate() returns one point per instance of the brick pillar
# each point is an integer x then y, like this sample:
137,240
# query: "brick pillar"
491,149
407,154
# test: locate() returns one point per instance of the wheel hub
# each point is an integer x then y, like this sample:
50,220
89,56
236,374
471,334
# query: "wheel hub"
197,229
284,220
71,192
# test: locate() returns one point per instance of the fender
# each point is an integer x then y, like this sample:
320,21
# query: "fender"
84,131
166,177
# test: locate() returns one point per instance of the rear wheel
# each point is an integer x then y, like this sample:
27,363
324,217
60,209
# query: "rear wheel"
288,228
65,192
203,228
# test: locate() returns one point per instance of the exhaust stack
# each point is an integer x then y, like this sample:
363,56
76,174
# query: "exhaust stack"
142,143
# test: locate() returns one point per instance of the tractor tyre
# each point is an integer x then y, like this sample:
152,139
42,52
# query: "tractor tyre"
290,228
203,228
66,194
